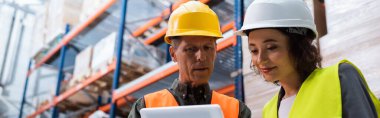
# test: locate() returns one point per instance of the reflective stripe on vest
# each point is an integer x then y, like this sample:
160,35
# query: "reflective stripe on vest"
318,97
163,98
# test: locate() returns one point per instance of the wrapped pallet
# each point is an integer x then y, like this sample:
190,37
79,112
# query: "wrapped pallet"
136,53
133,53
60,13
103,53
39,35
82,67
47,46
51,24
103,56
137,59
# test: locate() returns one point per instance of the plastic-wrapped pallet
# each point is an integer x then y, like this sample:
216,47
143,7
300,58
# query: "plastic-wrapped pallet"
39,36
82,68
60,13
103,56
47,46
51,24
134,52
103,53
137,59
345,14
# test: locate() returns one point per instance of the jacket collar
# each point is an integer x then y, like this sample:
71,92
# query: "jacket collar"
186,90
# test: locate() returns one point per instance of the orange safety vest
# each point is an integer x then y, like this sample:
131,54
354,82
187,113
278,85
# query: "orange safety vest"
163,98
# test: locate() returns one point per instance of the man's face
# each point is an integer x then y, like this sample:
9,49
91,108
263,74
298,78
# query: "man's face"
195,56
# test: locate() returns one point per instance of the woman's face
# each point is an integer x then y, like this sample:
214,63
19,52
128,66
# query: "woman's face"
270,54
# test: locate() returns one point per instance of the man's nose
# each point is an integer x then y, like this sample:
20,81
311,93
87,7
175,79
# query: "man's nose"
200,55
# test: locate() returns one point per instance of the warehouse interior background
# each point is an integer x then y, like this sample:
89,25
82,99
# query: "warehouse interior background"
57,57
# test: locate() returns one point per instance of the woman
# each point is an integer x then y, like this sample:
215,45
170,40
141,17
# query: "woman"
280,37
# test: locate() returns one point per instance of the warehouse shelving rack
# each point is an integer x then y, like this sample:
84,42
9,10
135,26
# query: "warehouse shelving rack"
115,65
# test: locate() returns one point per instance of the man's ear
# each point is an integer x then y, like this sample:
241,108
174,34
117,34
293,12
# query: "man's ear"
216,52
172,53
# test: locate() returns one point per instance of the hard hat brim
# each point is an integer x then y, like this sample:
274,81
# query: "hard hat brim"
277,24
194,33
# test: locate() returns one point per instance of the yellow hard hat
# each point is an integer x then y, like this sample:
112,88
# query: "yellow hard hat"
193,18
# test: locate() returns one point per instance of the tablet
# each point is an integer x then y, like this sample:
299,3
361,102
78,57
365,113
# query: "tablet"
191,111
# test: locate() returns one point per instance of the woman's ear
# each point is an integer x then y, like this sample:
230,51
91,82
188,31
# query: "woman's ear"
172,53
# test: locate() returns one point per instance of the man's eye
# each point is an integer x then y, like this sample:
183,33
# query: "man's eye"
190,49
208,47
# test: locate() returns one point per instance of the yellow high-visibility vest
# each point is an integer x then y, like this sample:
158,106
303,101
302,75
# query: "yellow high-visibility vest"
319,96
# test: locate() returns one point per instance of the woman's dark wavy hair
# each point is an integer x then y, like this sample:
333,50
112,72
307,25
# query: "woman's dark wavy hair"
305,55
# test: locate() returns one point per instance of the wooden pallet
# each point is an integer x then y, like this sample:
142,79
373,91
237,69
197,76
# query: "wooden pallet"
79,100
128,73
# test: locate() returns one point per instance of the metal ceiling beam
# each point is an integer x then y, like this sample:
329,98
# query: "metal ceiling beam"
25,8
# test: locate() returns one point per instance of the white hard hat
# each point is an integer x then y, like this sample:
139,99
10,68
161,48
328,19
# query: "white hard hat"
277,14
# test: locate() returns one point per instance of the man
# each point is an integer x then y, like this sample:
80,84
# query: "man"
192,32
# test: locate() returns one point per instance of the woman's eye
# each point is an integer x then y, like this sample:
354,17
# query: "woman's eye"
272,47
254,51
